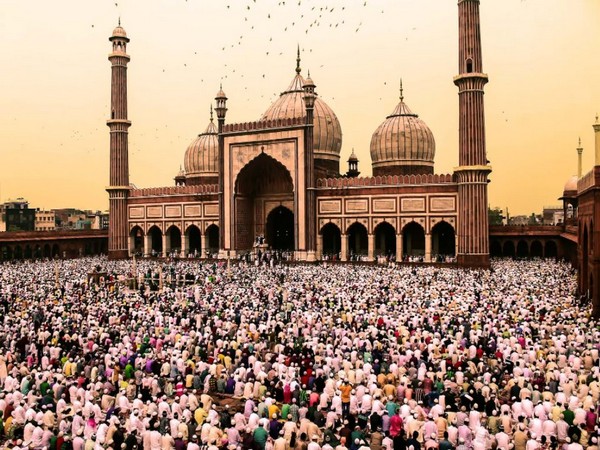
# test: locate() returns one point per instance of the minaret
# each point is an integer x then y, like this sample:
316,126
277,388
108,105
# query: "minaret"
221,110
309,161
473,170
597,133
579,161
118,188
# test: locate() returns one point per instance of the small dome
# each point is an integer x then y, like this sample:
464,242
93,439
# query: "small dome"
402,144
571,184
352,156
220,94
119,31
327,132
201,156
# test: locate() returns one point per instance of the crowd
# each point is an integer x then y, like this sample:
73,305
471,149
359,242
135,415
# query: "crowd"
188,355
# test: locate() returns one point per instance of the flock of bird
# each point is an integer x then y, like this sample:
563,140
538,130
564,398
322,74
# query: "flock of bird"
300,18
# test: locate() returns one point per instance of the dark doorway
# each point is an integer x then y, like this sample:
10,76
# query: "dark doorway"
495,248
522,249
194,240
413,239
537,251
551,251
174,236
137,241
280,229
332,240
508,249
263,178
385,240
156,246
443,240
212,234
357,239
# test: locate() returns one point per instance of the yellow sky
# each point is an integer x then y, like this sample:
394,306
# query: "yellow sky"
541,57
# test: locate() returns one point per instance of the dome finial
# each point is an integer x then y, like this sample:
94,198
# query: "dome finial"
401,91
298,61
211,112
119,20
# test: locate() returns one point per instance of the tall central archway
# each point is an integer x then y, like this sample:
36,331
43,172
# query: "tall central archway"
262,182
280,229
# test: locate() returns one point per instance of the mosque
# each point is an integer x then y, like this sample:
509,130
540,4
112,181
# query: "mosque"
278,181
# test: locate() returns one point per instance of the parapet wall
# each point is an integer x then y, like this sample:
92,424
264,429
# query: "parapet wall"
385,180
263,125
174,190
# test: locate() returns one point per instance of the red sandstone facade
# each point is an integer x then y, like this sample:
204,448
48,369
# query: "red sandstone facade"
278,178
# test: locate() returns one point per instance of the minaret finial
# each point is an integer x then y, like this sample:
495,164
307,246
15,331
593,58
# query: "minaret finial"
119,20
298,61
596,117
211,113
401,91
580,141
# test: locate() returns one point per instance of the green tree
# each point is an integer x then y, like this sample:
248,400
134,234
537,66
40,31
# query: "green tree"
495,216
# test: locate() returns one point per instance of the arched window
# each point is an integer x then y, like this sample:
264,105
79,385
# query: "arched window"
469,65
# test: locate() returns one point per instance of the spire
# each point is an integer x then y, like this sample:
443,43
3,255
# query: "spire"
298,61
401,91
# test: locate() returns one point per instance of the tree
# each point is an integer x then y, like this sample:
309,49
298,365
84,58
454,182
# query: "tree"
495,216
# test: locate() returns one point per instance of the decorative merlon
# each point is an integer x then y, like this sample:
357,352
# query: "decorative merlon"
385,180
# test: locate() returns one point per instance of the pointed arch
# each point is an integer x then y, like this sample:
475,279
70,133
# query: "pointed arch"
136,239
522,249
263,174
413,239
357,239
536,249
495,248
550,250
212,239
443,239
385,239
508,249
332,240
194,239
156,241
173,235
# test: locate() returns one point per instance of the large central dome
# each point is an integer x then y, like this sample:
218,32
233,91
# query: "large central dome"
327,134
